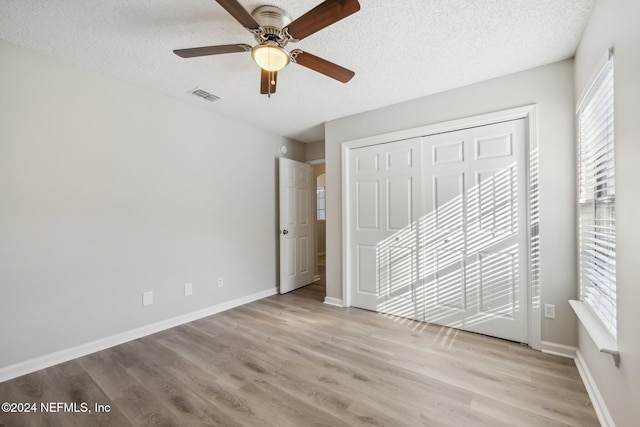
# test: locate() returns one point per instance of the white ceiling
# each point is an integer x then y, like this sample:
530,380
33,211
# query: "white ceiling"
399,50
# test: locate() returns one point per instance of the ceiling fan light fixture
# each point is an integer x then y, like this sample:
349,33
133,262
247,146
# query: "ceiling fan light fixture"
269,56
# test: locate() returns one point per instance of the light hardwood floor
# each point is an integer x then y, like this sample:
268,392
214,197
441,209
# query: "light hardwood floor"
290,360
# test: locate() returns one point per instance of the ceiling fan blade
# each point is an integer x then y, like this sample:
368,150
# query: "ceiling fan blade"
322,66
212,50
268,81
236,10
321,16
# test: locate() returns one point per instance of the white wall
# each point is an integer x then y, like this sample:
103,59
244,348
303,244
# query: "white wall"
615,23
106,191
551,88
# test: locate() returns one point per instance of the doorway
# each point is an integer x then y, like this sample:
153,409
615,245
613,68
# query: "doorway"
296,225
319,173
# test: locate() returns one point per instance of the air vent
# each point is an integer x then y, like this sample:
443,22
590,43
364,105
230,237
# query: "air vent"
204,94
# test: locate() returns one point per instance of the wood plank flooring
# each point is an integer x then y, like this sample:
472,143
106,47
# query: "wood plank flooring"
290,360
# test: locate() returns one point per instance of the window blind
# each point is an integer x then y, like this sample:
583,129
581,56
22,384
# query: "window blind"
596,210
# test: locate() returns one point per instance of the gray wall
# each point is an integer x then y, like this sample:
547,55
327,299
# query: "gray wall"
106,191
615,23
551,88
314,151
322,237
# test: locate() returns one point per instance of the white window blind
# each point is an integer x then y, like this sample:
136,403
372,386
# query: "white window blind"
597,244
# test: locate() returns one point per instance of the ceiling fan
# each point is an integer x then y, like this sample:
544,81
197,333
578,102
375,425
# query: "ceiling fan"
273,30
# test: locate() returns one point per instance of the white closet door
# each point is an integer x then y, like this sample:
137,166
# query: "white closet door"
385,198
473,229
438,229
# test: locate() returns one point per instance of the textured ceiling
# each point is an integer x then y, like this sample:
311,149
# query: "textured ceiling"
399,50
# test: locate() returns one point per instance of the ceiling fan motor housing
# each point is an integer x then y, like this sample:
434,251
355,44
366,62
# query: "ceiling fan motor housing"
272,19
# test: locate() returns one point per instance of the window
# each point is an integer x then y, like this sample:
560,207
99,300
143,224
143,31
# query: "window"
320,207
596,202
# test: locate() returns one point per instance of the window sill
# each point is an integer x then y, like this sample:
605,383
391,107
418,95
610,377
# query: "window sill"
600,336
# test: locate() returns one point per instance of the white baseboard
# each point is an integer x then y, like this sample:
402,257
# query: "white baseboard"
321,253
592,389
333,301
316,278
558,349
594,394
32,365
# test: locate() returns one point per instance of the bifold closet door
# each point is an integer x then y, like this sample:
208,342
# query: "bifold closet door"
438,229
473,228
385,199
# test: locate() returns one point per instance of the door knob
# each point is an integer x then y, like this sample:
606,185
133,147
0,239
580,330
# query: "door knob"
285,231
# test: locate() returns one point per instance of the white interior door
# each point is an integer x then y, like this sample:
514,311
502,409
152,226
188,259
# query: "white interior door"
385,197
474,222
438,229
296,225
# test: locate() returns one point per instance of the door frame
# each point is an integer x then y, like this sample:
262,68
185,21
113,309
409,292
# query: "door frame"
529,114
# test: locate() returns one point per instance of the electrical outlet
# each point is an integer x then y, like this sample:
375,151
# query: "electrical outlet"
188,289
550,311
220,282
147,298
